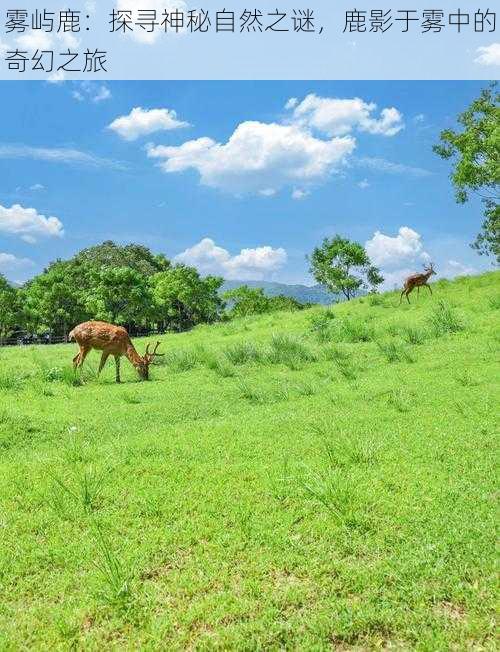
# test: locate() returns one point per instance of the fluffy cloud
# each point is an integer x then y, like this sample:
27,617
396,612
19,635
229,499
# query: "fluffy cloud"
142,35
28,223
363,184
258,156
249,264
489,55
10,263
141,122
338,117
389,252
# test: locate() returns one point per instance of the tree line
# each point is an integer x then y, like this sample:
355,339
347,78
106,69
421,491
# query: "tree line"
130,286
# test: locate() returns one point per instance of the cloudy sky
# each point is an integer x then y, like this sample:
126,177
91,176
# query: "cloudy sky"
241,179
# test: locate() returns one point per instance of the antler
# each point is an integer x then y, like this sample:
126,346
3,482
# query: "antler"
149,355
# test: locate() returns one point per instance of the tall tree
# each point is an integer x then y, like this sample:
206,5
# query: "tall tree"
343,266
54,299
9,309
475,152
134,256
184,299
120,295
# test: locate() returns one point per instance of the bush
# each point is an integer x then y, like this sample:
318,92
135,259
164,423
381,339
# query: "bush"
354,331
289,350
444,319
321,324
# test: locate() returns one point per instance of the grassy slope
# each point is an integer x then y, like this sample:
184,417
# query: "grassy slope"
346,501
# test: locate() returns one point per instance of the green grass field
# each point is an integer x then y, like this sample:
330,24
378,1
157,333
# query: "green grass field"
313,480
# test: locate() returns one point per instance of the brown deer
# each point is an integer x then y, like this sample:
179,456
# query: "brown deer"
417,281
111,340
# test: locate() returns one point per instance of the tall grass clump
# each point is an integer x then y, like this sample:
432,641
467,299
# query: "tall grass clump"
182,360
395,351
290,351
413,334
243,352
116,590
219,364
353,331
320,324
444,319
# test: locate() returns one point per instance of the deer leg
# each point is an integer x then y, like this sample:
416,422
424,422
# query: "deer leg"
401,297
428,286
117,365
408,295
75,360
104,357
81,356
418,290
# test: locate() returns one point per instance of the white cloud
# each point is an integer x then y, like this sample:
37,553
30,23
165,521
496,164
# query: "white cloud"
389,252
363,184
9,262
456,268
381,165
28,223
3,48
419,118
91,91
267,192
338,117
488,55
257,156
142,35
249,264
37,187
141,122
56,155
298,194
292,103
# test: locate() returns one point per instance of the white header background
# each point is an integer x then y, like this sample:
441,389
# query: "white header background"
331,55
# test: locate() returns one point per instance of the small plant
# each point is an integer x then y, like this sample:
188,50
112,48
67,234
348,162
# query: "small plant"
243,352
250,393
116,582
10,382
413,335
444,319
494,302
466,379
395,351
376,300
220,365
182,360
321,323
353,331
399,399
288,350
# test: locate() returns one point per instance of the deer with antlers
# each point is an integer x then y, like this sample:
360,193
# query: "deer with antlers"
417,281
111,340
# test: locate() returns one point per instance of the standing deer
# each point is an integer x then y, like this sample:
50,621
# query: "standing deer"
416,281
111,340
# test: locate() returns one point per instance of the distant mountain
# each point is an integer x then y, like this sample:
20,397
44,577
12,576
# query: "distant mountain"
302,293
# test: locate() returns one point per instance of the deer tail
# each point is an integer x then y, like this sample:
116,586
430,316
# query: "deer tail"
71,336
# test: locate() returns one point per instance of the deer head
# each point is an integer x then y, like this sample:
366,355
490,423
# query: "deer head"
429,269
147,359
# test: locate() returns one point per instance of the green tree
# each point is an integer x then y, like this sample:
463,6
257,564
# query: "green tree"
54,300
247,301
475,152
120,295
343,266
9,308
183,299
109,254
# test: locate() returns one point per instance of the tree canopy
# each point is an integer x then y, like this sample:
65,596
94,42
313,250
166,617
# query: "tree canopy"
475,152
343,266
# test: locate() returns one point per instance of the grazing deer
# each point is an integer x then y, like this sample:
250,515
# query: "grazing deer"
417,281
111,340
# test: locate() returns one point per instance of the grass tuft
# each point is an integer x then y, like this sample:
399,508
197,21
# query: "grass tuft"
444,319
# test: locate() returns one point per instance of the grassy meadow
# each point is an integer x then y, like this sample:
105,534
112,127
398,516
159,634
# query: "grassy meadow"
312,480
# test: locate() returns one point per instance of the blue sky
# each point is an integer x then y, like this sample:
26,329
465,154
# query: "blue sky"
238,178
